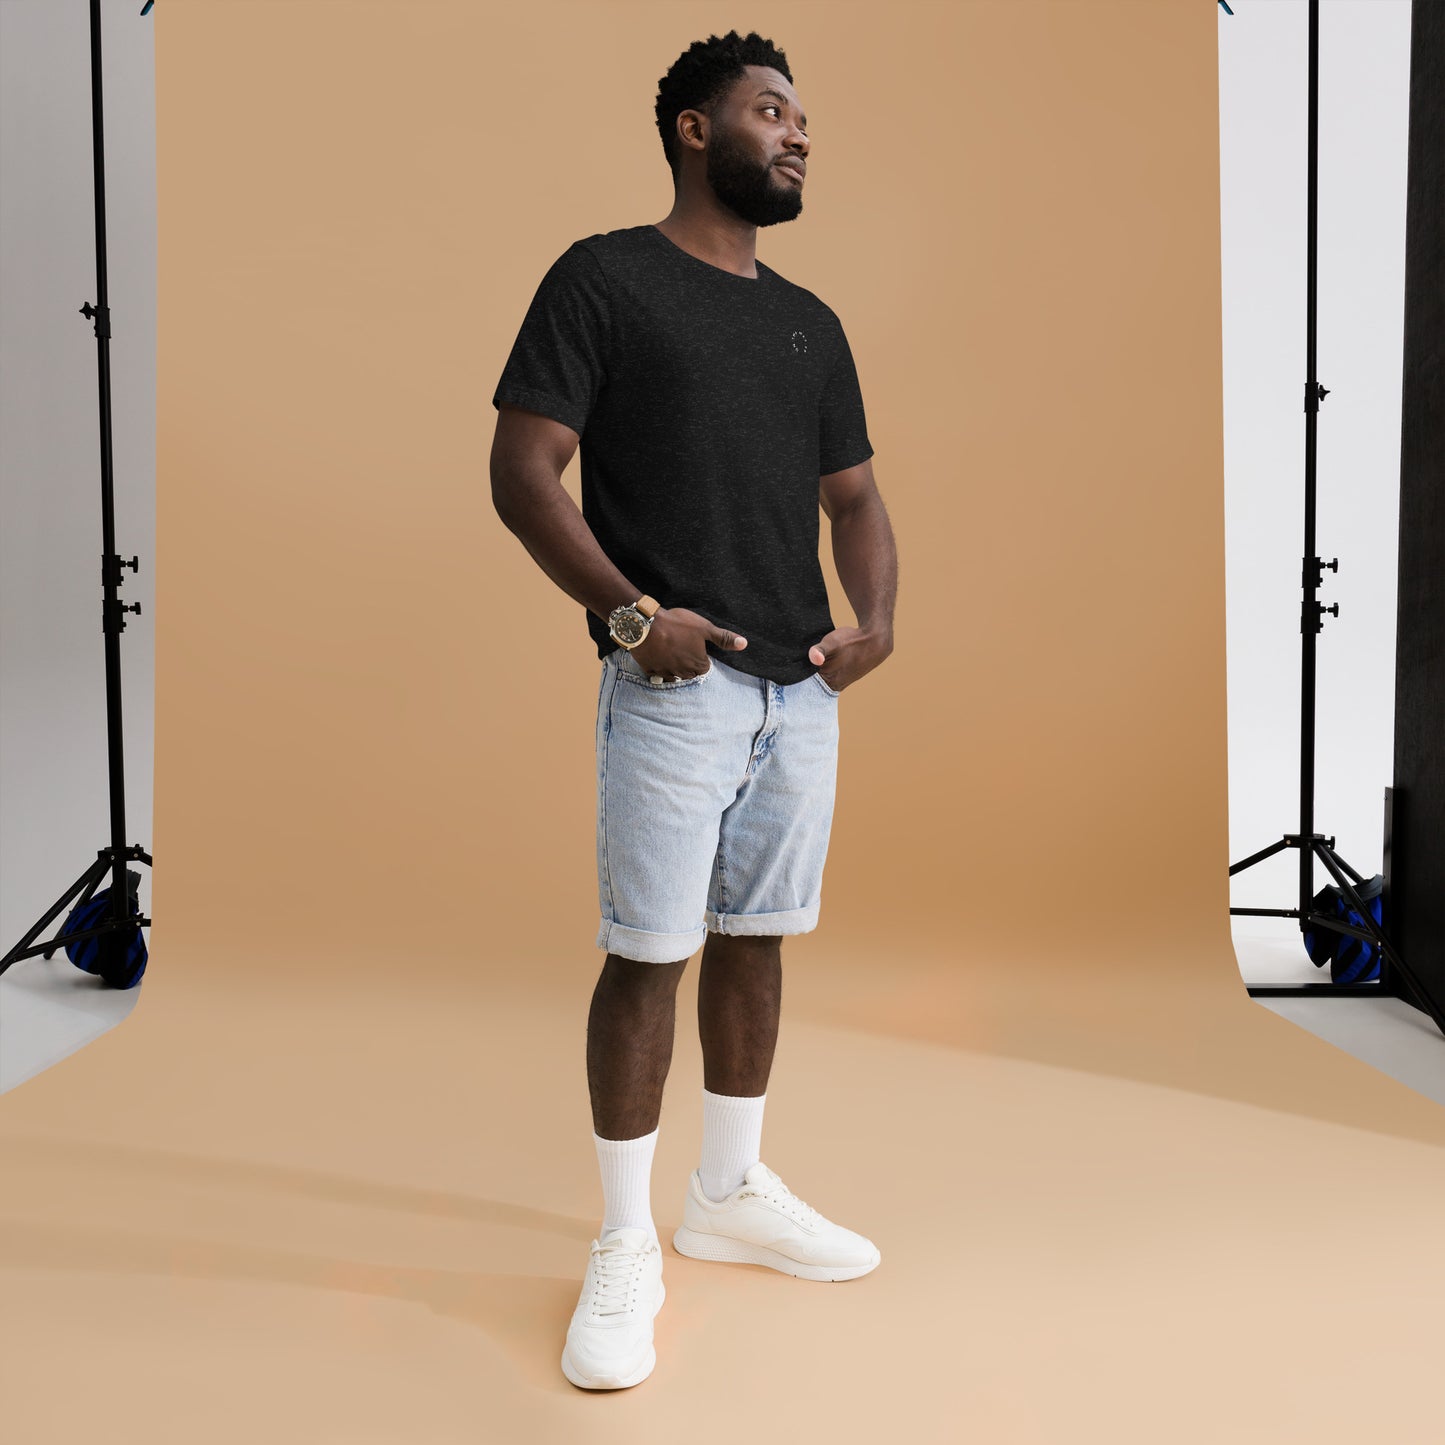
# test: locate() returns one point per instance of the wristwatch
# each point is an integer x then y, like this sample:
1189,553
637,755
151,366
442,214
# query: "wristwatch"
629,625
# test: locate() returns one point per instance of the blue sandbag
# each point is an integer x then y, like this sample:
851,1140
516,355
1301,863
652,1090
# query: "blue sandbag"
119,957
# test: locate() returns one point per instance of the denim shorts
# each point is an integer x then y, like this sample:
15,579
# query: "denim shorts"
714,805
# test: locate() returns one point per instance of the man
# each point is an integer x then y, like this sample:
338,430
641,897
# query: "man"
717,406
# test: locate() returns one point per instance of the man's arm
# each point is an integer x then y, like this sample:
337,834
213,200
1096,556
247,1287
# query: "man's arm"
529,454
867,561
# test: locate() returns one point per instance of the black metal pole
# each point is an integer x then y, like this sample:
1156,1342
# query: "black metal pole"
111,616
1310,573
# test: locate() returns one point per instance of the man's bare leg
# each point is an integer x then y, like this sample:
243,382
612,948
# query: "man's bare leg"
629,1044
739,997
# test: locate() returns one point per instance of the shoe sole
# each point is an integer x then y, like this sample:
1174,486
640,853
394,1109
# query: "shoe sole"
614,1382
725,1250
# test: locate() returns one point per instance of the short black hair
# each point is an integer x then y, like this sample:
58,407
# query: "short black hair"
702,74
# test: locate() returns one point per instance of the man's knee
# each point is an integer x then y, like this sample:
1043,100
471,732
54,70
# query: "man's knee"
743,943
634,974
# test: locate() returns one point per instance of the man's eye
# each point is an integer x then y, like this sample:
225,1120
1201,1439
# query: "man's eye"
779,110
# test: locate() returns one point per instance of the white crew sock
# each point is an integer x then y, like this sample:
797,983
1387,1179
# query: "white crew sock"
626,1166
732,1132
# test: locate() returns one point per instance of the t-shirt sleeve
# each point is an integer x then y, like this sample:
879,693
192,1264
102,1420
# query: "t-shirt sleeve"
558,363
842,427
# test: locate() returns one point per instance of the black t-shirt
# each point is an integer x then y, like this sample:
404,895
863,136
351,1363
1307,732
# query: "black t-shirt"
708,406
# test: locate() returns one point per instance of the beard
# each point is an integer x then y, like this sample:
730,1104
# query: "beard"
753,190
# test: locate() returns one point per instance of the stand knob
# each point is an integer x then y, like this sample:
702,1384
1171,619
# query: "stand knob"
1333,565
133,564
1333,607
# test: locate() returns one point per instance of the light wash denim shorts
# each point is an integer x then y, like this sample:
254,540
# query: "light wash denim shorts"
714,805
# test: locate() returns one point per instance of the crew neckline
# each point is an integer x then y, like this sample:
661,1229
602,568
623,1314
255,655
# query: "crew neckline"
707,265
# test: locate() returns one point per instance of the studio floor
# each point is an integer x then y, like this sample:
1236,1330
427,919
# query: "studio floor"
322,1212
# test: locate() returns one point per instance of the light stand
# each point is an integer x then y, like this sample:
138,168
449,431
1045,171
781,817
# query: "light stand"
113,936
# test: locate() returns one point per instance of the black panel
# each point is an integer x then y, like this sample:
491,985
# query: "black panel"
1416,923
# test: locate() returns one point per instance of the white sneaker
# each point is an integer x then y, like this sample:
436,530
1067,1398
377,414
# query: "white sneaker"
764,1222
609,1341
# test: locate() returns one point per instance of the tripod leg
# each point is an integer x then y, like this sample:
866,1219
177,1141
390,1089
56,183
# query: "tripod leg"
1258,857
1328,858
1322,848
1338,867
88,881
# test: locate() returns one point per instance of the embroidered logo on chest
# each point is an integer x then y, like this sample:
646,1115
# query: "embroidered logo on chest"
800,343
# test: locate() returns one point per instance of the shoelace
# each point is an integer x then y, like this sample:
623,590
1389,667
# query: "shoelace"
778,1193
614,1272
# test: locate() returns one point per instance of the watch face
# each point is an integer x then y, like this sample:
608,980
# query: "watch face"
629,627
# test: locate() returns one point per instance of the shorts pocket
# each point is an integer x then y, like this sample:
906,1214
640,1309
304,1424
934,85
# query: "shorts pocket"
818,677
629,667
